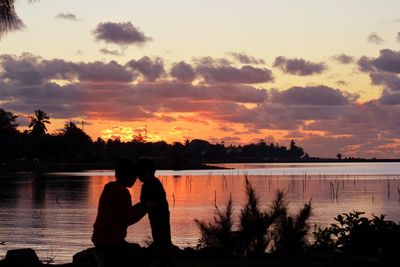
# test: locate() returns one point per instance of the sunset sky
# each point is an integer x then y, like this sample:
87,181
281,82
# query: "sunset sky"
322,72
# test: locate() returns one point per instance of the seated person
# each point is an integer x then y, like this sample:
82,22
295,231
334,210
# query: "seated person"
115,214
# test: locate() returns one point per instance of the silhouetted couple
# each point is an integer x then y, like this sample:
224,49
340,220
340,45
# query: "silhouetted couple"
116,213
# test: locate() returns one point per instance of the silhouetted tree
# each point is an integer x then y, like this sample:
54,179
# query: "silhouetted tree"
295,152
339,156
7,121
9,20
8,134
38,123
78,145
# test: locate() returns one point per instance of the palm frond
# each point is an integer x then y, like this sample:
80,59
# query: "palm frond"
9,20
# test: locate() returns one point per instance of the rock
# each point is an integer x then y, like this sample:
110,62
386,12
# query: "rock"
88,258
25,257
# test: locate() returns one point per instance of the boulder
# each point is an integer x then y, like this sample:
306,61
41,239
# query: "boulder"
25,257
88,258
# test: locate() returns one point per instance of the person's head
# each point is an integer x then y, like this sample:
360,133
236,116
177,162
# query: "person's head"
125,172
146,169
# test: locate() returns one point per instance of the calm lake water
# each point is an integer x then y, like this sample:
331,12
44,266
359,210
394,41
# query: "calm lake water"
54,213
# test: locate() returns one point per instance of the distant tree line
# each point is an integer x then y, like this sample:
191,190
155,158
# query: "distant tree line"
72,145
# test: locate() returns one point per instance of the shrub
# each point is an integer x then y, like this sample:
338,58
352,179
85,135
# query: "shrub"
258,229
218,235
356,233
291,231
253,237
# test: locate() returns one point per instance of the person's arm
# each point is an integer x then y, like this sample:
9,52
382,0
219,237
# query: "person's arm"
136,213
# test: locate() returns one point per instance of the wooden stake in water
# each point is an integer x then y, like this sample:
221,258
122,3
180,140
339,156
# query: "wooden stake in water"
398,190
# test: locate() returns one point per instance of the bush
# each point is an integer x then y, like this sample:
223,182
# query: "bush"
258,229
356,233
291,231
219,235
253,237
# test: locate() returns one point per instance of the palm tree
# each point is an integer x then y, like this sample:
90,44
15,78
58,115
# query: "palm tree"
38,122
9,20
7,120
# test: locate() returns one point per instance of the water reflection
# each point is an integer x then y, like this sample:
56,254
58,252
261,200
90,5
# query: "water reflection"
54,213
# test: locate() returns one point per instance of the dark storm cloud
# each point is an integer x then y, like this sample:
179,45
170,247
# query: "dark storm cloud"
152,69
343,59
298,66
246,59
67,16
374,38
183,71
123,34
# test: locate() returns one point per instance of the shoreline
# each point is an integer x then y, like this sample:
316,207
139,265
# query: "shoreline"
197,258
25,166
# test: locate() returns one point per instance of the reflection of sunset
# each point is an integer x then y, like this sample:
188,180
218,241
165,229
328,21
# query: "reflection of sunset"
56,203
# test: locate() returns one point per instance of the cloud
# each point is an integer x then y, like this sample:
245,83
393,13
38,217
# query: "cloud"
122,34
341,83
116,53
390,98
388,61
299,66
110,91
210,61
183,72
364,64
390,81
103,72
391,84
384,70
229,74
151,69
312,96
67,16
398,37
343,59
374,38
246,59
31,70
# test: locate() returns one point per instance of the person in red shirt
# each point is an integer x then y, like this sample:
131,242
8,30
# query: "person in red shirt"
115,213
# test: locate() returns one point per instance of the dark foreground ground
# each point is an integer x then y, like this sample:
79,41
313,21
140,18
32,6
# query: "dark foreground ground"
28,258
